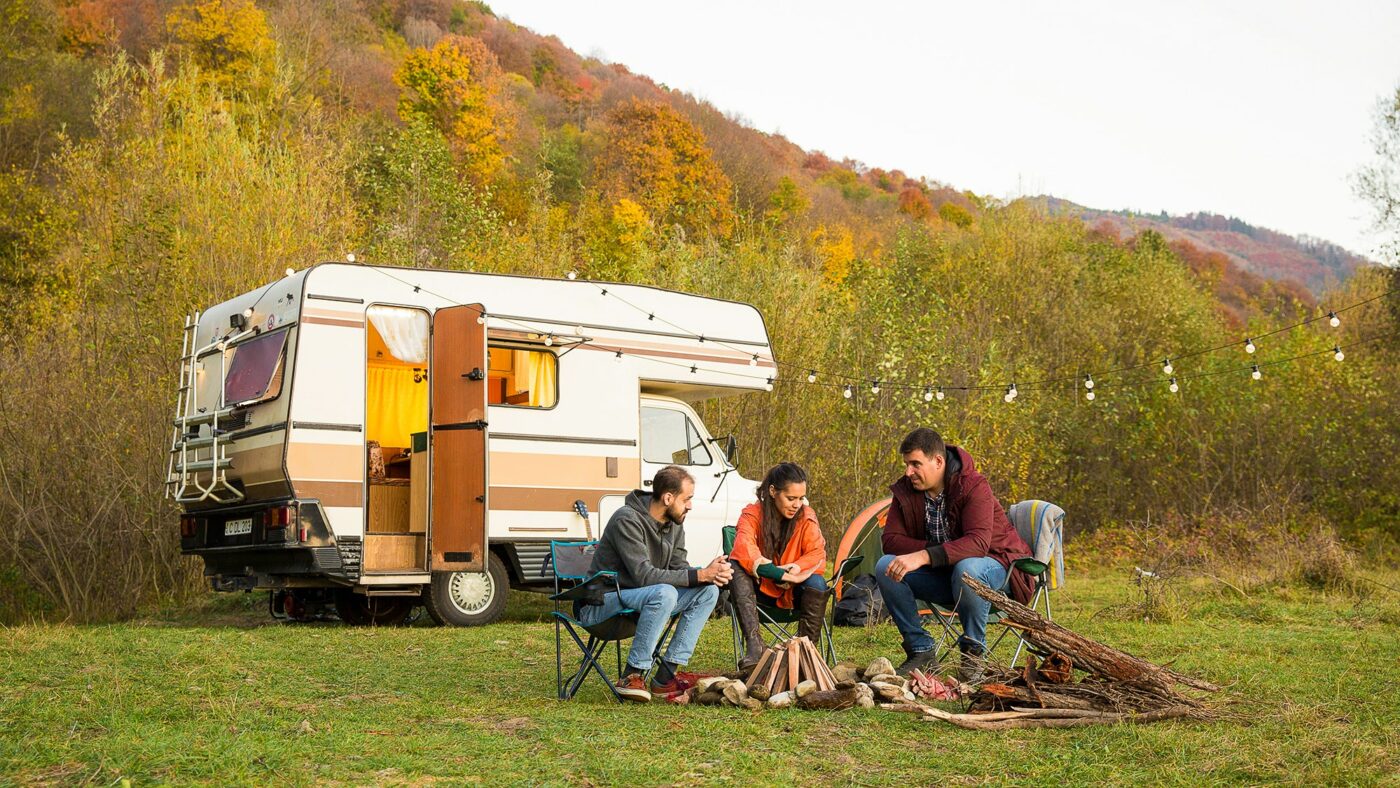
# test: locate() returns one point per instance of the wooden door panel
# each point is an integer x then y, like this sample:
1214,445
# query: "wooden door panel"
457,530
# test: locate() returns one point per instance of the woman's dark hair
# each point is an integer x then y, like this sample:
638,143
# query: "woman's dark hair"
775,530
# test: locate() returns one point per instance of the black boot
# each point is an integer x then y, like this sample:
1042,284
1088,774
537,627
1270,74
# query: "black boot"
972,667
922,661
811,612
744,596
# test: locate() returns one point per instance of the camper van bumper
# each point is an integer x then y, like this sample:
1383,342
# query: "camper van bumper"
267,545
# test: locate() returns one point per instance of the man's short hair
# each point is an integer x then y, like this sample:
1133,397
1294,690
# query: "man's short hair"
925,440
670,480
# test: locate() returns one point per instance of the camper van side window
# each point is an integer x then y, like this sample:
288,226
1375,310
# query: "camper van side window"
520,377
669,437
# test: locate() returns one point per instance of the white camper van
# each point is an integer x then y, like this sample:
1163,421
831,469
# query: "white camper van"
378,438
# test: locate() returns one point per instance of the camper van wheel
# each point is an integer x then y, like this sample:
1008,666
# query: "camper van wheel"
468,599
359,610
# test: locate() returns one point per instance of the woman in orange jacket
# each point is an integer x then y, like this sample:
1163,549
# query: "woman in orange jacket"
779,556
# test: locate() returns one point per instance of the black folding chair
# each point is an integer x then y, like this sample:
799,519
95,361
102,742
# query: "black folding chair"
575,584
777,621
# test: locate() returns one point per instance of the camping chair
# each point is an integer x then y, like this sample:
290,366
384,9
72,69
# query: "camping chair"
576,584
1041,525
777,621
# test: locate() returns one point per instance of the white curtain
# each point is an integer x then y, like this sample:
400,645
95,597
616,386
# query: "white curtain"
405,332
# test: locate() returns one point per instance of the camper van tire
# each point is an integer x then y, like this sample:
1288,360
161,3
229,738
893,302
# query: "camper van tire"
468,599
358,610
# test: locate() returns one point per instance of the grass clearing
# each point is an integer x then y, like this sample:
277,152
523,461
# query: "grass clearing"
222,695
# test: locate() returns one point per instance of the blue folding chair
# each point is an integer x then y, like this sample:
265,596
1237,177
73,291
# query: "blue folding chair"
576,584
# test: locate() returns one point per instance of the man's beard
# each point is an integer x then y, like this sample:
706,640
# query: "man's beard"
678,519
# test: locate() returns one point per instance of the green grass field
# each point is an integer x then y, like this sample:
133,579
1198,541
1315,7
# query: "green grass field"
224,696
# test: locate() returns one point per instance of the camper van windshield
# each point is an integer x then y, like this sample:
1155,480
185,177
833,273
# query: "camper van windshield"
255,373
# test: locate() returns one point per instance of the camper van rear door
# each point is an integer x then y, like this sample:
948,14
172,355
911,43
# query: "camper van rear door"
457,526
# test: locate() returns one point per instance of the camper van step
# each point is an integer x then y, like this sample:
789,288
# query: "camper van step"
409,591
203,465
193,443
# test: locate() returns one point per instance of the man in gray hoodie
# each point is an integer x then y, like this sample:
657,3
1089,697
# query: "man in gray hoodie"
644,543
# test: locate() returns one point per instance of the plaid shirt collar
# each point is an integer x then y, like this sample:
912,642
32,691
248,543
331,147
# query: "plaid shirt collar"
935,518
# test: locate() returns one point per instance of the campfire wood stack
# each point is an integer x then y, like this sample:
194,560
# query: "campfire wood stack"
786,665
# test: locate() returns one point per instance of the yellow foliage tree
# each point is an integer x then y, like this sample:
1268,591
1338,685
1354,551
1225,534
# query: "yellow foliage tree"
836,250
659,160
457,86
227,39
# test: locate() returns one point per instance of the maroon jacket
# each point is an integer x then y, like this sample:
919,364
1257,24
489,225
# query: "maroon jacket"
977,525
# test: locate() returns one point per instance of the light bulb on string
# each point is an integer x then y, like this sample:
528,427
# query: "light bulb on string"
1256,374
1089,395
481,318
848,392
573,275
875,387
549,340
769,385
753,360
811,376
1011,393
1249,345
578,330
1089,382
928,394
1333,320
1172,387
939,394
1337,352
1167,366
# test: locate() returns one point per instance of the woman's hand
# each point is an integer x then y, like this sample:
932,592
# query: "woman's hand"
794,575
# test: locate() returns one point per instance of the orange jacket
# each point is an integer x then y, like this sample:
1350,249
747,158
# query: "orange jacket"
805,547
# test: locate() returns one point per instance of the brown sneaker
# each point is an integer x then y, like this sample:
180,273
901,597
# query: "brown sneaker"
633,688
669,688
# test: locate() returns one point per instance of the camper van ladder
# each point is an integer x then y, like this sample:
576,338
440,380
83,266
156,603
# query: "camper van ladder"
187,444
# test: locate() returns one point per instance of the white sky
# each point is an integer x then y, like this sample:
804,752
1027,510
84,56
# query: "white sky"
1260,110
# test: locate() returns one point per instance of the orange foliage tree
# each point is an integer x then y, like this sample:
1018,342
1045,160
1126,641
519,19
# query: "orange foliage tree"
913,202
659,160
457,86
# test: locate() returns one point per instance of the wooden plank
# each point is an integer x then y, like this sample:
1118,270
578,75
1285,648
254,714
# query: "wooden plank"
778,675
758,670
794,664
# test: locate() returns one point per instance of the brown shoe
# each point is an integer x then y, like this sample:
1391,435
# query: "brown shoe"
633,688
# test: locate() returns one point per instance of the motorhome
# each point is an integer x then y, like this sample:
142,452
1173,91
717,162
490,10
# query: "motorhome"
377,438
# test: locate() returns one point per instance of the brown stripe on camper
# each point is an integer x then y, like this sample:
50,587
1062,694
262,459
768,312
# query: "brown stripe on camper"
260,465
535,499
522,468
332,493
338,461
668,351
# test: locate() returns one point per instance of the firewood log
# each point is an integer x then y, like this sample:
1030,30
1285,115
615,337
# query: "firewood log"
829,699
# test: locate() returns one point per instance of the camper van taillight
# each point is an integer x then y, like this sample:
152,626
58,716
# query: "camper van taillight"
281,517
187,526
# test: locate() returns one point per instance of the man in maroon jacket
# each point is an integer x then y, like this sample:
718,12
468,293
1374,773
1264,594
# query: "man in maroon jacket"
943,522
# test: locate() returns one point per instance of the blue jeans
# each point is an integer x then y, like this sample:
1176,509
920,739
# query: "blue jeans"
815,582
943,587
655,605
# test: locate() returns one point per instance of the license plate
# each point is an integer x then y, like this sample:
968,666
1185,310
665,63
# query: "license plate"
238,527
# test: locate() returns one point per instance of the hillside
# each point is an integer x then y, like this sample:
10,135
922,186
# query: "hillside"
1312,262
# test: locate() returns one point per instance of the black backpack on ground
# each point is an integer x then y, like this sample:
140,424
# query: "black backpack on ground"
860,603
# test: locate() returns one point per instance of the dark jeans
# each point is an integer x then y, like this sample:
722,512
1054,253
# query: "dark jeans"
815,582
943,587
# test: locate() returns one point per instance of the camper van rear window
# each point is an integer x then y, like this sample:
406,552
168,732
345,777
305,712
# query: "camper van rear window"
255,373
525,378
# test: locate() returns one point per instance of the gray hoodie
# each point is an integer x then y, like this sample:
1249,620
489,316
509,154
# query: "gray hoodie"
642,551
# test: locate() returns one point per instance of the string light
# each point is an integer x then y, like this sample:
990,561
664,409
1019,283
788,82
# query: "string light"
769,385
1173,387
849,392
811,376
928,394
1166,366
1333,319
1089,395
549,340
1256,374
578,330
753,362
291,271
875,387
1248,345
1089,382
1011,393
1337,352
481,318
939,394
572,275
349,257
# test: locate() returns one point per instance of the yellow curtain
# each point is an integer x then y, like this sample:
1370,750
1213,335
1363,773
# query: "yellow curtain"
397,406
